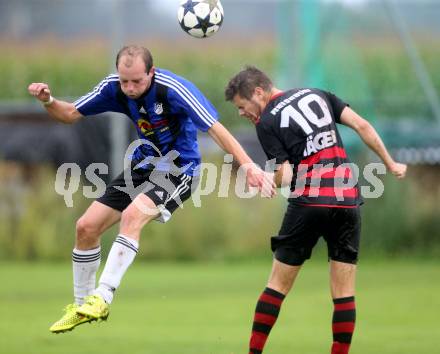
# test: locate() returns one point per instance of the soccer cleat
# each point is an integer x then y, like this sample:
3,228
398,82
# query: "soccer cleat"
94,307
70,320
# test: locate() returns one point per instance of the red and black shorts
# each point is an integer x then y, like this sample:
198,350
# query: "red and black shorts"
303,226
166,190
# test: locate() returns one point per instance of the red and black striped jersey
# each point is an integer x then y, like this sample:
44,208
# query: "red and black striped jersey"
299,126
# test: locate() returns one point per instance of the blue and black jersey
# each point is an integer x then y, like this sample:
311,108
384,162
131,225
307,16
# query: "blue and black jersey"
167,115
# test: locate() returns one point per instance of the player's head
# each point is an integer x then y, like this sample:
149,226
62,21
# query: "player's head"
250,91
135,68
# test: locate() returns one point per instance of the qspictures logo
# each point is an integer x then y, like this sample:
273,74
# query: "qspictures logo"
214,179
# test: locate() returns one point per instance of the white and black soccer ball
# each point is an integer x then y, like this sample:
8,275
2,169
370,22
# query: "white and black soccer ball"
200,18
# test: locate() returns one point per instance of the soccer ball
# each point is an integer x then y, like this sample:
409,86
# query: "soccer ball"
200,18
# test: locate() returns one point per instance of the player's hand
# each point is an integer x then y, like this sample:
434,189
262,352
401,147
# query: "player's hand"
398,169
40,91
268,187
262,180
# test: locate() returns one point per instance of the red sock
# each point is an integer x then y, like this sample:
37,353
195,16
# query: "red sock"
266,314
344,317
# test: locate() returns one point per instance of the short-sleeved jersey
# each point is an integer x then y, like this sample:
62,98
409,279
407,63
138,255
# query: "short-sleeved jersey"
167,115
299,126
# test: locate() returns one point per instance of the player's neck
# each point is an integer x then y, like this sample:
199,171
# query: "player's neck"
274,92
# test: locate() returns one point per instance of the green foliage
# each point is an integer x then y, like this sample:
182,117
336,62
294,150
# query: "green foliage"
212,70
71,69
375,76
405,219
38,225
44,227
35,223
395,89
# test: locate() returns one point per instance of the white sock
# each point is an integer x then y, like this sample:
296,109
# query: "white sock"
121,255
85,264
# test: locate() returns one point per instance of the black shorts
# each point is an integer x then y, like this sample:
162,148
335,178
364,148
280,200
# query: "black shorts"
167,191
303,226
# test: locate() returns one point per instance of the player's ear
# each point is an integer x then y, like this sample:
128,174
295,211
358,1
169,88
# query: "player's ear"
151,72
259,92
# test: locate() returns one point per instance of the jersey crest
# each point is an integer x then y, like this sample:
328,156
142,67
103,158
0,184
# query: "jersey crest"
158,108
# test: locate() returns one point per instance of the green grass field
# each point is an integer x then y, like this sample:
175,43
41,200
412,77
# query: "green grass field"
207,309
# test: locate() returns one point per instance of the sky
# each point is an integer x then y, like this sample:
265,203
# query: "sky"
348,2
169,3
166,4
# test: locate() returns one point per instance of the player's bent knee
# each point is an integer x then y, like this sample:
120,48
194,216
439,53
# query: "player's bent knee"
281,286
86,230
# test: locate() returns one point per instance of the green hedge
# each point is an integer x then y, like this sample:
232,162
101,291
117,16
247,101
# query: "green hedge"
38,225
376,77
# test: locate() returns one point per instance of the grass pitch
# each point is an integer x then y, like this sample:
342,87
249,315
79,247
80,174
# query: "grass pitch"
208,309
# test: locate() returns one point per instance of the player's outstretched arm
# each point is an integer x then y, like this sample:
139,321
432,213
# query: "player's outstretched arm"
62,111
370,136
255,176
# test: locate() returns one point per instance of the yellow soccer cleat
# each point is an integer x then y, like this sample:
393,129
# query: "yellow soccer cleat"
70,320
94,307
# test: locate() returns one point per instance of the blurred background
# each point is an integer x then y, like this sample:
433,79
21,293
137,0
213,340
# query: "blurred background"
382,57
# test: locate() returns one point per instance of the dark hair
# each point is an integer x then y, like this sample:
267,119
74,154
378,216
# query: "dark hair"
133,51
245,82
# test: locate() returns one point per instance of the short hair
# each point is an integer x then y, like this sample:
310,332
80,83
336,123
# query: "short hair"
133,51
245,82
